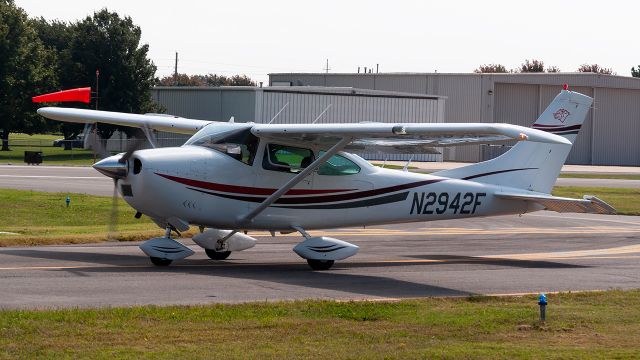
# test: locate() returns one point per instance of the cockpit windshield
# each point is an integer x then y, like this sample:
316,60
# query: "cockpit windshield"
234,140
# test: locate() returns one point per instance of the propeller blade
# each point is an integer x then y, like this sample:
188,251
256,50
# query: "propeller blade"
137,142
113,218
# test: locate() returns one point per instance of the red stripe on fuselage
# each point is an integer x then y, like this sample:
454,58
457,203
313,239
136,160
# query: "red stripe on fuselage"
245,189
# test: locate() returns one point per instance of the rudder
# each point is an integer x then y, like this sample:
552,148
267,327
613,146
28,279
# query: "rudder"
530,165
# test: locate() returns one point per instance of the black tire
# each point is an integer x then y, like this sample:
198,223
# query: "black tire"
320,264
160,261
217,255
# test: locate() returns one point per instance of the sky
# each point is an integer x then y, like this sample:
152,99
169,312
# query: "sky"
261,37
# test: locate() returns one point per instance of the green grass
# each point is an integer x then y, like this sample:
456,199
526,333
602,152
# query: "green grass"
35,137
601,176
19,143
594,325
43,218
625,201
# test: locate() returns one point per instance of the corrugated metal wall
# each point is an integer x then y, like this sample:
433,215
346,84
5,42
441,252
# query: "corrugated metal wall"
217,104
343,108
616,126
304,106
607,136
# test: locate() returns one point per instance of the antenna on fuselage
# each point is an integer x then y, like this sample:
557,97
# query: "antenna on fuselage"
322,113
232,120
273,118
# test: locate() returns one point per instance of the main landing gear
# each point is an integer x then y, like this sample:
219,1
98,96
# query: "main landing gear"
321,252
320,264
217,255
160,261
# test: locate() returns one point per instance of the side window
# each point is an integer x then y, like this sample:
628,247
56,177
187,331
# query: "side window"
286,158
338,165
241,145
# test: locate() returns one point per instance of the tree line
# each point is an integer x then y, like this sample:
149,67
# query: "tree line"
538,66
38,56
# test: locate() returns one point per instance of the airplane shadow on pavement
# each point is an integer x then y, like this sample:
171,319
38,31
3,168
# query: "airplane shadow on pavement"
297,274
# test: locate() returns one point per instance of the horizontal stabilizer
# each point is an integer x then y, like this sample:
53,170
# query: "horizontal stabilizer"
589,204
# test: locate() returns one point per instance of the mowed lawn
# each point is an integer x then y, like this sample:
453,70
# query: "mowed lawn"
625,201
19,143
43,218
596,325
40,218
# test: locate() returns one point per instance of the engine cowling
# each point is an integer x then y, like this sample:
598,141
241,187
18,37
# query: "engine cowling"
237,242
325,248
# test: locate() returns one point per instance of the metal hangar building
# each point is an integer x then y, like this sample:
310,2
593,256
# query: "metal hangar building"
609,135
300,105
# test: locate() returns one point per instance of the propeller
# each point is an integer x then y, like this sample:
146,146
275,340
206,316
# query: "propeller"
116,170
112,233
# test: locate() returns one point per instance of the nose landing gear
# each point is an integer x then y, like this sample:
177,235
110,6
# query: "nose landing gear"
163,250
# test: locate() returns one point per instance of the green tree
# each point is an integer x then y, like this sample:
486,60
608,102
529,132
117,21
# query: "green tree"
111,44
490,68
553,69
533,66
26,69
595,68
634,72
57,36
206,80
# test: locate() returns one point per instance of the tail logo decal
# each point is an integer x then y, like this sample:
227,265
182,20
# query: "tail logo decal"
561,115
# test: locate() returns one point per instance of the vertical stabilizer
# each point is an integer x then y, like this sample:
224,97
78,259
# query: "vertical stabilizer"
531,165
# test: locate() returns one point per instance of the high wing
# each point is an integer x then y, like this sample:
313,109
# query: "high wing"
589,204
381,137
167,123
402,138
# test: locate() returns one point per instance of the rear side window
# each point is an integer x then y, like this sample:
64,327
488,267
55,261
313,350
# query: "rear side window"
286,158
338,165
240,145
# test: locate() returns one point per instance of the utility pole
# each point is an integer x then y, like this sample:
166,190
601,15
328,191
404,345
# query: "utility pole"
175,71
97,87
327,67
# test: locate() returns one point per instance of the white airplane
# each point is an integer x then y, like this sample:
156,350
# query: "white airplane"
237,177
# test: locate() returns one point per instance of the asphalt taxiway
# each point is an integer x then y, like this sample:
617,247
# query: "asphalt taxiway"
539,252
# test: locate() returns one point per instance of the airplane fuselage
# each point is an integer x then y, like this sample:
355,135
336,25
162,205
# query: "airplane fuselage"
206,187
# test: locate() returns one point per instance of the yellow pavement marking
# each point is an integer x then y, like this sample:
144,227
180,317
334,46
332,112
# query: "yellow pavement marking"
614,220
588,230
629,249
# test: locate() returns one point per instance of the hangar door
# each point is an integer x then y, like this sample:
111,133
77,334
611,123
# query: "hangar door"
513,104
521,104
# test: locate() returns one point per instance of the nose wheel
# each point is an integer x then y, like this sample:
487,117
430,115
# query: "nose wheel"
217,255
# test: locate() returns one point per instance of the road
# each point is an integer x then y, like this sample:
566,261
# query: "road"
87,180
540,252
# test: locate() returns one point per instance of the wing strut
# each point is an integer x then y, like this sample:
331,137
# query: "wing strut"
295,180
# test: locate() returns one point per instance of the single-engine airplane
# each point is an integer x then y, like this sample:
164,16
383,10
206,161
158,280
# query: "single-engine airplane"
230,178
